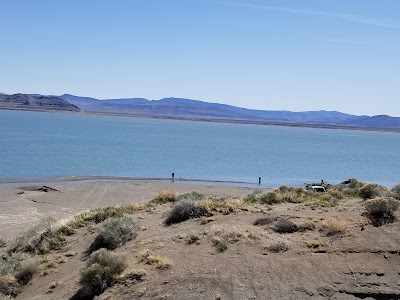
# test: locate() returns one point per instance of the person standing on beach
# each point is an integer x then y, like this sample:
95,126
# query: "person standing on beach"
173,176
259,180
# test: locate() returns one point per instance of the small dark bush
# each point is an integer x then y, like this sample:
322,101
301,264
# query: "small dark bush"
381,210
265,220
283,225
26,272
373,190
185,210
102,270
396,191
115,232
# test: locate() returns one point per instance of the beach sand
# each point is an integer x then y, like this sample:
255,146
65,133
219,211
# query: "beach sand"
21,206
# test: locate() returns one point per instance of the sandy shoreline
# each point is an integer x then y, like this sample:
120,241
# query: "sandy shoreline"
86,179
21,206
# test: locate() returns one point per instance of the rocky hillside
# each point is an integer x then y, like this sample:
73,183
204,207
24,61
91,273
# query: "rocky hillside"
35,102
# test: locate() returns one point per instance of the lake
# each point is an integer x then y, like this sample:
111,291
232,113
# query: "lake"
43,145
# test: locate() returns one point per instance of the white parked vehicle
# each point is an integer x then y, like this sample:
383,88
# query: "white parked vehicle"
316,189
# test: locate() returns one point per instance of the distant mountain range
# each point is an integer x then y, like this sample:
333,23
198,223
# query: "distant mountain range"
193,109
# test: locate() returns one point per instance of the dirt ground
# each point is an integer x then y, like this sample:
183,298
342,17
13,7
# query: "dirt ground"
22,206
361,263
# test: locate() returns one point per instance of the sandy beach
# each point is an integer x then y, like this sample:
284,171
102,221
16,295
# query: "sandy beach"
21,206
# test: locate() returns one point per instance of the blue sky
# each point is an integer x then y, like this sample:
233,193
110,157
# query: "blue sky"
293,55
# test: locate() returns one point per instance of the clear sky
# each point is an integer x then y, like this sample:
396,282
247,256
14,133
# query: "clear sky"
266,54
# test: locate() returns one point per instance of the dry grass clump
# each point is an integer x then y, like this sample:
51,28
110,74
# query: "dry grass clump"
47,235
164,196
5,297
336,194
149,258
116,232
395,191
314,244
205,220
270,197
335,226
101,271
222,236
97,215
381,210
192,238
192,196
14,273
373,190
282,194
283,225
184,210
278,247
26,271
222,205
9,286
305,226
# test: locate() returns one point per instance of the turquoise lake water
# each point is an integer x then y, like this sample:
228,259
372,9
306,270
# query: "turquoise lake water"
42,145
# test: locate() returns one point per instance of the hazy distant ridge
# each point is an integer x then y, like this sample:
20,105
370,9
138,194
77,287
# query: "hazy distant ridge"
188,108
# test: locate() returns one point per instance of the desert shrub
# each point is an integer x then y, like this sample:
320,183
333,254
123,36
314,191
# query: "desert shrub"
47,235
191,196
326,197
381,210
395,191
222,205
283,225
296,195
278,247
5,297
221,244
373,190
270,197
116,232
149,258
164,196
26,271
252,197
335,226
222,236
192,238
307,225
102,270
265,220
9,286
336,194
287,189
185,210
